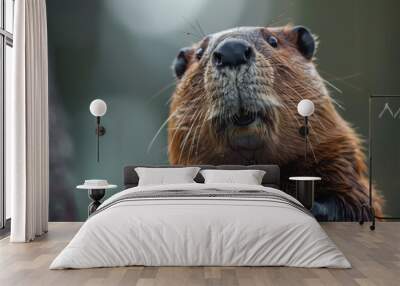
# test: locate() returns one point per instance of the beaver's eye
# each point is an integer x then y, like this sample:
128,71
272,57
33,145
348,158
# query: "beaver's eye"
272,41
199,53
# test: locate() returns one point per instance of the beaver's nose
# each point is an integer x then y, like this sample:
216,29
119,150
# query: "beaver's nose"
232,53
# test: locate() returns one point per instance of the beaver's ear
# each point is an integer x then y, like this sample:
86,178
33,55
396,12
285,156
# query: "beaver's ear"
181,62
305,41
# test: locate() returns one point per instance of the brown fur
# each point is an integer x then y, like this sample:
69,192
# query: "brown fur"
284,74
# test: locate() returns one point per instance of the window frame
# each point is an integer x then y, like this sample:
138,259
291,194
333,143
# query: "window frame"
6,39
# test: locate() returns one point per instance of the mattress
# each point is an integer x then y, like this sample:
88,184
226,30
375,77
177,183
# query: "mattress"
201,225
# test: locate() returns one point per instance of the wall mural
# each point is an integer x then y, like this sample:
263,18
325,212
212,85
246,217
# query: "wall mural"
235,103
231,97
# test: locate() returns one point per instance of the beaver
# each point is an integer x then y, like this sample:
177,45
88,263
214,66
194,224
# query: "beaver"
235,103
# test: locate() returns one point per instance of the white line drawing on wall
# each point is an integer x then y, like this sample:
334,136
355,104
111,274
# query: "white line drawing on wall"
387,109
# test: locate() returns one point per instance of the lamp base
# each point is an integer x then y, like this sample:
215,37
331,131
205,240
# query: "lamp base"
304,130
100,131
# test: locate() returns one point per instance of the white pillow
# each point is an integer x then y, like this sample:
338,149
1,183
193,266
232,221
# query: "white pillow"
248,177
163,176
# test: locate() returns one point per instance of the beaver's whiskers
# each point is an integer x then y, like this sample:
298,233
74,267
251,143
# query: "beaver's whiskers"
189,133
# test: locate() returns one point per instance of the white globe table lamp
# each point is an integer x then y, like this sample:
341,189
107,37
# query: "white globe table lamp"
98,108
305,108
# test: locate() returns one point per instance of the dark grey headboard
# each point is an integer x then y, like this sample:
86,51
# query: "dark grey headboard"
271,177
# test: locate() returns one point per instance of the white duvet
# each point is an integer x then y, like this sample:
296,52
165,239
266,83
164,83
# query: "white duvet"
200,231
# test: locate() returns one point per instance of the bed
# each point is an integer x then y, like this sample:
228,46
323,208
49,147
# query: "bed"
198,224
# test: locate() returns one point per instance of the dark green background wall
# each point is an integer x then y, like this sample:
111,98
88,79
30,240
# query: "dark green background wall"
121,51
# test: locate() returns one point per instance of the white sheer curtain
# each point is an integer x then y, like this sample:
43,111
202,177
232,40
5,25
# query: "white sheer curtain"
27,146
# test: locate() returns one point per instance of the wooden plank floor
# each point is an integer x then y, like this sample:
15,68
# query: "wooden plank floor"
375,257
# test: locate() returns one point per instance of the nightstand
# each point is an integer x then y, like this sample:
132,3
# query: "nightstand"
305,188
96,191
